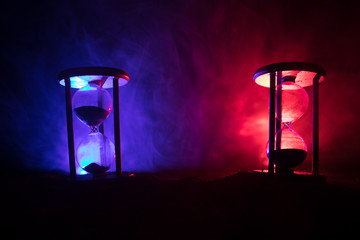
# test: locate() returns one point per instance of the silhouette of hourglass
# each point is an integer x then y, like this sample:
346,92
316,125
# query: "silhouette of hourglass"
288,101
92,104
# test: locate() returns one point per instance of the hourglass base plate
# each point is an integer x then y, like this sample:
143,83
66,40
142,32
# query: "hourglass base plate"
284,171
296,176
106,175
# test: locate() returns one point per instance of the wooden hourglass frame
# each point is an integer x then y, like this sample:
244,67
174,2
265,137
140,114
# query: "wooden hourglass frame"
304,75
81,77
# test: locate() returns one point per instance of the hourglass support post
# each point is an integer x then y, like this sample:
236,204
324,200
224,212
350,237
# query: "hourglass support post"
117,126
70,128
278,93
272,123
315,162
100,105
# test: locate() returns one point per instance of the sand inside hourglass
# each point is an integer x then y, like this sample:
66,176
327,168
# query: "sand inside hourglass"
95,168
91,115
95,153
289,158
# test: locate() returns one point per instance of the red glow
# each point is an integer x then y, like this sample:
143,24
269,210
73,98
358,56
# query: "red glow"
303,78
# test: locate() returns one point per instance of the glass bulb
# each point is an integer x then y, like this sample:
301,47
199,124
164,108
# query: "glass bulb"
290,149
95,153
92,104
293,99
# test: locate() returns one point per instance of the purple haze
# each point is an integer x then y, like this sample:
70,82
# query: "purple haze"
191,102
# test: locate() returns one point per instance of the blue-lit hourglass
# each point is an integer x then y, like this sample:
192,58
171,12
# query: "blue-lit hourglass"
92,104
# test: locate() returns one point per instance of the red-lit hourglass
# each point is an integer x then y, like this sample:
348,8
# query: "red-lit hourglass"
288,101
291,103
92,104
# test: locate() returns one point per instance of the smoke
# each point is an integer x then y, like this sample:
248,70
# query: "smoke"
191,102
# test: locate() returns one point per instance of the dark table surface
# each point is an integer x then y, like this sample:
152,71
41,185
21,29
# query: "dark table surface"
175,206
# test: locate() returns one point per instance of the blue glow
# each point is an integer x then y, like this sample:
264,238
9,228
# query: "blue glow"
87,88
89,78
88,153
82,81
76,82
95,148
81,171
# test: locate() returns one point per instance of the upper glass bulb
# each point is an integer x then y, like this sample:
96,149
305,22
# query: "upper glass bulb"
293,99
92,104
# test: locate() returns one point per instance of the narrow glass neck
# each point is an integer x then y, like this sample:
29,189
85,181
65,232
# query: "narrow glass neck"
93,129
287,124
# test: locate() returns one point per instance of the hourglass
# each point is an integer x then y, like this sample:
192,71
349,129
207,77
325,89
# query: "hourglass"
291,103
288,101
92,104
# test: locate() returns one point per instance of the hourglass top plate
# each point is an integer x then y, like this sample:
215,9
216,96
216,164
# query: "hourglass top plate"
80,77
304,73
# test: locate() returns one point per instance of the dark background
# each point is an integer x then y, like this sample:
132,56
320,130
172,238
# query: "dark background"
191,102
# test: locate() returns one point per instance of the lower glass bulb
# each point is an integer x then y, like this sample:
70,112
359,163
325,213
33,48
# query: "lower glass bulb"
95,153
